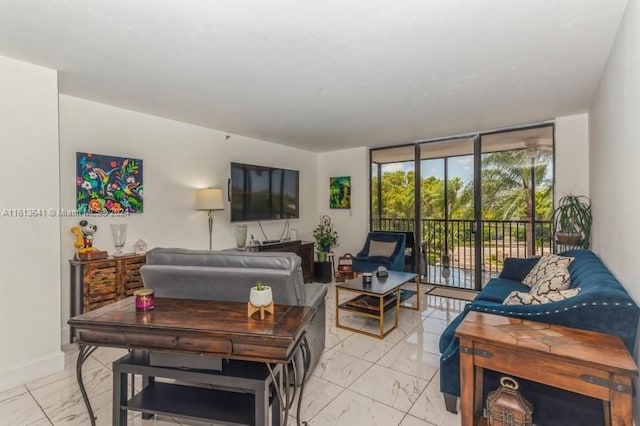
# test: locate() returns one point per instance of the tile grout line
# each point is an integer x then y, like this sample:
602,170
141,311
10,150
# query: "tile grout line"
328,403
46,416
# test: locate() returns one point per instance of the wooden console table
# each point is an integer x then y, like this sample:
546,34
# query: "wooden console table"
585,362
304,249
200,327
95,283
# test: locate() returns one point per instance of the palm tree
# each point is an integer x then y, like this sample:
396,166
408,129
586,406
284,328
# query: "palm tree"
507,185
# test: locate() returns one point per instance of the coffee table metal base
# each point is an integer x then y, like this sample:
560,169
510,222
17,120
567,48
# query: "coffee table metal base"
377,291
378,316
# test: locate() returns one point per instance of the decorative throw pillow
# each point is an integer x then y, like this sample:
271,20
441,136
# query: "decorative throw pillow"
381,248
522,298
544,266
557,279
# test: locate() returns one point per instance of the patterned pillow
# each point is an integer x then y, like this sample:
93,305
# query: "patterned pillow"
382,248
544,266
557,279
522,298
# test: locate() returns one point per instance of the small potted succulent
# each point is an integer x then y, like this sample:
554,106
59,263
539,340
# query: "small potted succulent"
572,221
326,238
260,295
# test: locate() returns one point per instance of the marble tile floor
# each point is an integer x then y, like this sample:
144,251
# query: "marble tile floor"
359,379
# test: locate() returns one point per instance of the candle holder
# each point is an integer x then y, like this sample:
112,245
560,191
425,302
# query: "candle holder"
144,299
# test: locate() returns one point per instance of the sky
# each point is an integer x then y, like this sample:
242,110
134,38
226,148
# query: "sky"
461,166
458,167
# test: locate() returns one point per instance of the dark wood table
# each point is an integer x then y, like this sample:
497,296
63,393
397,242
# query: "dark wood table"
585,362
220,329
375,298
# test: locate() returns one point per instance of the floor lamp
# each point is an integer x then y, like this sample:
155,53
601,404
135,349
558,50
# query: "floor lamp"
209,199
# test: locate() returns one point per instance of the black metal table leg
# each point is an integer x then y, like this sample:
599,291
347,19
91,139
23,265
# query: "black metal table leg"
306,362
281,386
120,398
84,353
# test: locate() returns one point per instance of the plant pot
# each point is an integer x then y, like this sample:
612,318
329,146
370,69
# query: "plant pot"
260,297
569,238
322,256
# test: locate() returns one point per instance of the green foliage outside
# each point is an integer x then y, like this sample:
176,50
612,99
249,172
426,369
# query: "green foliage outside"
506,187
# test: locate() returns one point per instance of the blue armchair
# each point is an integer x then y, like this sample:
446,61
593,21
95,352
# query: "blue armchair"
381,249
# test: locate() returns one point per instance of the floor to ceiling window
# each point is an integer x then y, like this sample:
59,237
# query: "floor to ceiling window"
471,201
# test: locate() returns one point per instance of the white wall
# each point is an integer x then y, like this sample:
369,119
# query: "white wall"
30,249
572,155
352,225
615,152
178,158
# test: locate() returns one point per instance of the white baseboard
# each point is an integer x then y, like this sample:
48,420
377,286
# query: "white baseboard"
33,370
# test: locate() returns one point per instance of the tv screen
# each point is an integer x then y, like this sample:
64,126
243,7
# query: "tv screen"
263,193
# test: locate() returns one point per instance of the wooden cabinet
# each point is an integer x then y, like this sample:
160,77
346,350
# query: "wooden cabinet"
304,249
95,283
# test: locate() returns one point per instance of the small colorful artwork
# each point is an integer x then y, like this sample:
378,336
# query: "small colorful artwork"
107,184
340,192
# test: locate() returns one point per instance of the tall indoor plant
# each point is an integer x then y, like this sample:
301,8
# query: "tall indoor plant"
326,238
572,221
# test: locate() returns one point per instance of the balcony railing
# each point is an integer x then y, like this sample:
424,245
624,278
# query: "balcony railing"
448,247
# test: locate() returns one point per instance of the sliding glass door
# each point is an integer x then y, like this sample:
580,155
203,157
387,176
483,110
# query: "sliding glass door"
447,214
470,201
516,195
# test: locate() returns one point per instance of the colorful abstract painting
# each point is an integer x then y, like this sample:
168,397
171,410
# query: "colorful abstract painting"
340,192
108,185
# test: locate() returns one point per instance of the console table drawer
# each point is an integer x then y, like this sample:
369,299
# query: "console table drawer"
159,341
206,345
252,350
101,338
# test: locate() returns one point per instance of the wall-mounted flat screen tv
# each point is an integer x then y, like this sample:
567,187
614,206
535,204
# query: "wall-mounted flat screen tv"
263,193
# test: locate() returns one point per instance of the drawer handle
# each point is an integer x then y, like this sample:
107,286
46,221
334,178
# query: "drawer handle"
175,341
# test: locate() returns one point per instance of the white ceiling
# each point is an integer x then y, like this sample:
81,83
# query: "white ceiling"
323,75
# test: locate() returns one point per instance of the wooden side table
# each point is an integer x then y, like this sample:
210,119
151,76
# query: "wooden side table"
585,362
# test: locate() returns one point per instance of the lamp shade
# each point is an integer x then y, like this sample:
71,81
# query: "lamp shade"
209,199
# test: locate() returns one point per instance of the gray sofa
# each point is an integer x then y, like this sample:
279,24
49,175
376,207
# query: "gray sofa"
228,276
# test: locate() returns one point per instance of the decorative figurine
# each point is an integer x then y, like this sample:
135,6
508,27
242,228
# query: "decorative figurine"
88,230
140,247
84,242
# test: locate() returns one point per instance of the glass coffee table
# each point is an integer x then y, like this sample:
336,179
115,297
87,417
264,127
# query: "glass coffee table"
375,298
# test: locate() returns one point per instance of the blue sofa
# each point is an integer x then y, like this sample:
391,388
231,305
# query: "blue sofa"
603,305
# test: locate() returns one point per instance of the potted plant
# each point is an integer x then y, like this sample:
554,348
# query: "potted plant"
326,237
572,221
260,295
